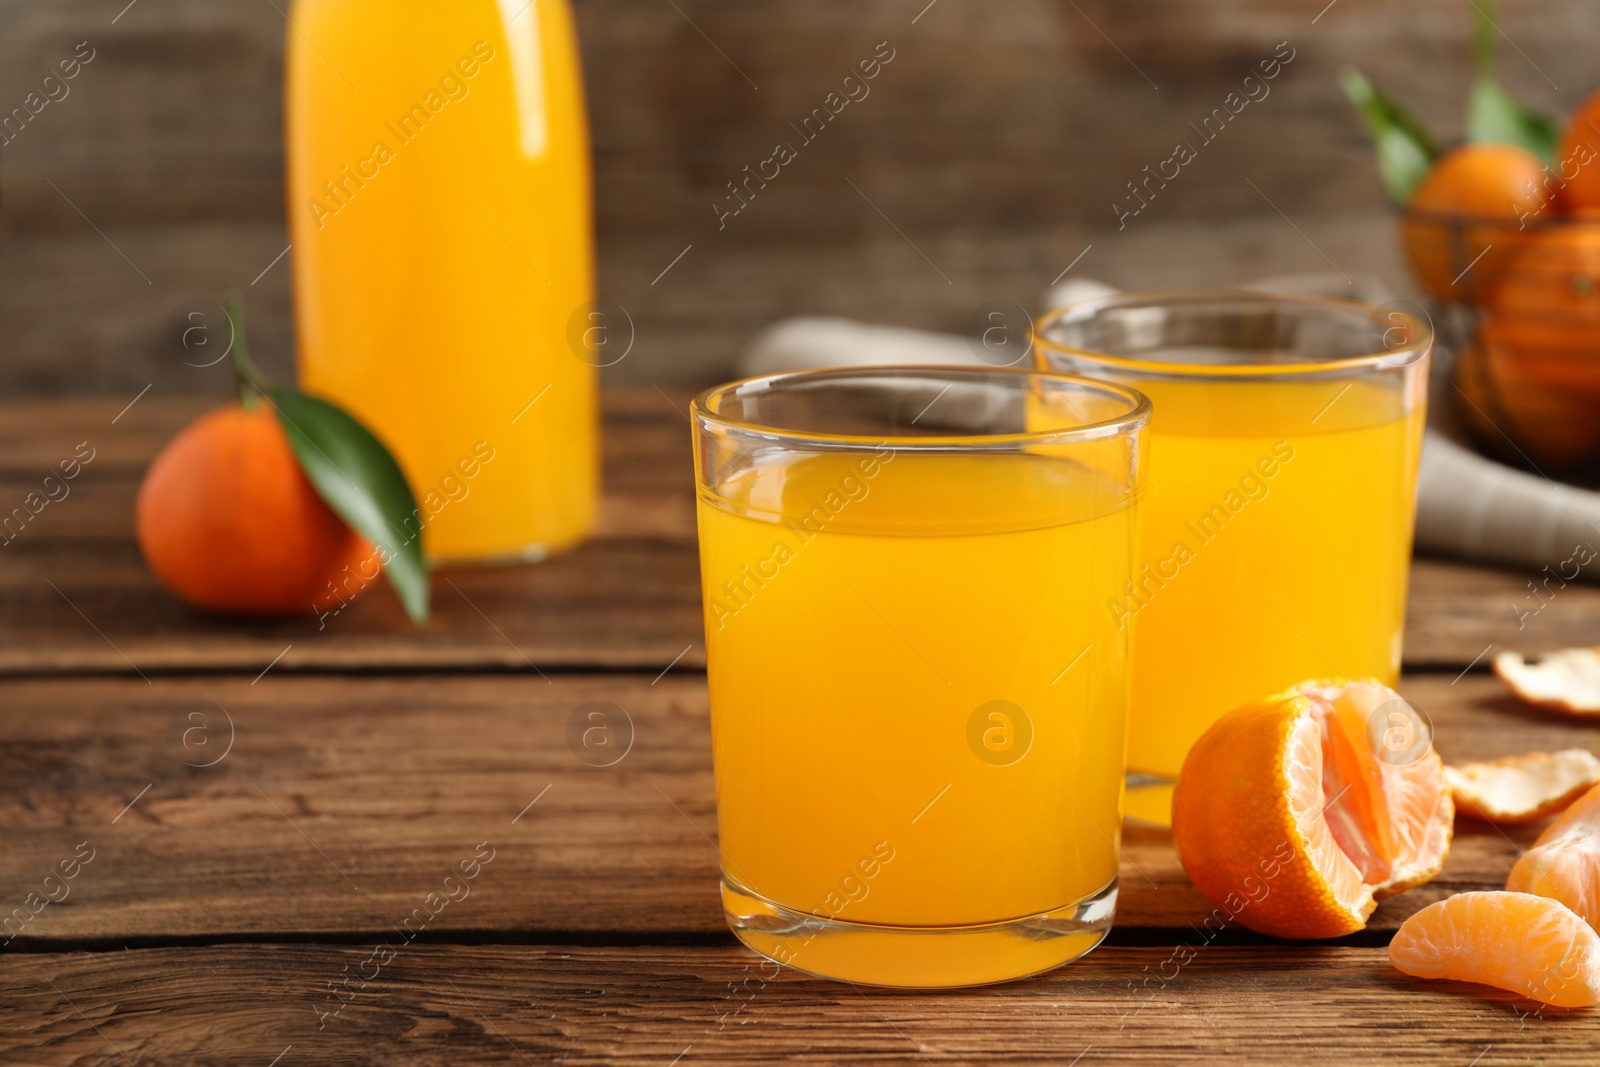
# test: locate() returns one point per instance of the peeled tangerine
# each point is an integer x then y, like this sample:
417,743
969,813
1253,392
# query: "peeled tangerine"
1564,864
1524,944
1568,680
1519,789
1296,813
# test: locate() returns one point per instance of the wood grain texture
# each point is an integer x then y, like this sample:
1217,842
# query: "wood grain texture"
75,596
246,1004
996,142
342,801
238,870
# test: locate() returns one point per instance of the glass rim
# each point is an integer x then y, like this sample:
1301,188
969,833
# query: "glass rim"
704,415
1401,356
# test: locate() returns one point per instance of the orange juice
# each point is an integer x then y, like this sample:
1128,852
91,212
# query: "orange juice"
439,211
917,700
1277,521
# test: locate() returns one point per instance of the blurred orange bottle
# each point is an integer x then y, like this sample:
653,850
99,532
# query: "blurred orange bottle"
440,219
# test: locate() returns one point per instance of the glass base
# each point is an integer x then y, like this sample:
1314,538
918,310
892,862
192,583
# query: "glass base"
507,558
907,957
1147,800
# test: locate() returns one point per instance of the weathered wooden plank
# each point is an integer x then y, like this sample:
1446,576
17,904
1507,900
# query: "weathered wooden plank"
74,594
997,140
646,444
652,1006
1020,91
1462,613
628,599
632,604
389,782
112,333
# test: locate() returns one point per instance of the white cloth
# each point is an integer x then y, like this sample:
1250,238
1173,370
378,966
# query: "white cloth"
1467,505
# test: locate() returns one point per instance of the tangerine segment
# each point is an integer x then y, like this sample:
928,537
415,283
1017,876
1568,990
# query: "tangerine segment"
1564,864
1519,789
1400,817
1289,813
1524,944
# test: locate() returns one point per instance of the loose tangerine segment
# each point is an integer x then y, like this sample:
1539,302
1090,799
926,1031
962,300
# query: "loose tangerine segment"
1564,864
1295,816
1524,944
1520,789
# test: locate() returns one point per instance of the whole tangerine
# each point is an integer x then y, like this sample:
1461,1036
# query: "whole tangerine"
1578,156
1540,342
228,521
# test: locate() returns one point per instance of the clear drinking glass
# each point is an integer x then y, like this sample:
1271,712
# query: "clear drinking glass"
918,697
1279,499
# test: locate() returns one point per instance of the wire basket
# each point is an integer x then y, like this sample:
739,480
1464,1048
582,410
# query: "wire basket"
1522,313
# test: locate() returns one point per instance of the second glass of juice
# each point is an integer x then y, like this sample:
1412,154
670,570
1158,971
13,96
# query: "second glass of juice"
918,699
1279,498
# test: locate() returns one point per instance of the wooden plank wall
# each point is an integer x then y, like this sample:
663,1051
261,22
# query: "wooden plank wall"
996,142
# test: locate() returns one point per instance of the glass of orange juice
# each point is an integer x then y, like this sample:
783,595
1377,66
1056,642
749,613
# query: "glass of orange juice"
1277,505
918,699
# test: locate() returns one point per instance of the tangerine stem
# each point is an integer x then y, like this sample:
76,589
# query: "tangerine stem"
250,382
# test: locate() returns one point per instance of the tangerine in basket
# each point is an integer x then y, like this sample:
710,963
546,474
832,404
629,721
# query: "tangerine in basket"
1540,342
227,520
1464,218
1294,814
1578,156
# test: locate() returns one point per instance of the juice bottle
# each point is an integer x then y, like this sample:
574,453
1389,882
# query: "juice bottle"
439,209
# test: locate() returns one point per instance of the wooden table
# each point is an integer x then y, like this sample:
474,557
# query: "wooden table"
264,803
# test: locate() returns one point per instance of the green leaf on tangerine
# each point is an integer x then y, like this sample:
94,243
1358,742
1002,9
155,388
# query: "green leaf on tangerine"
1406,149
362,483
1495,116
